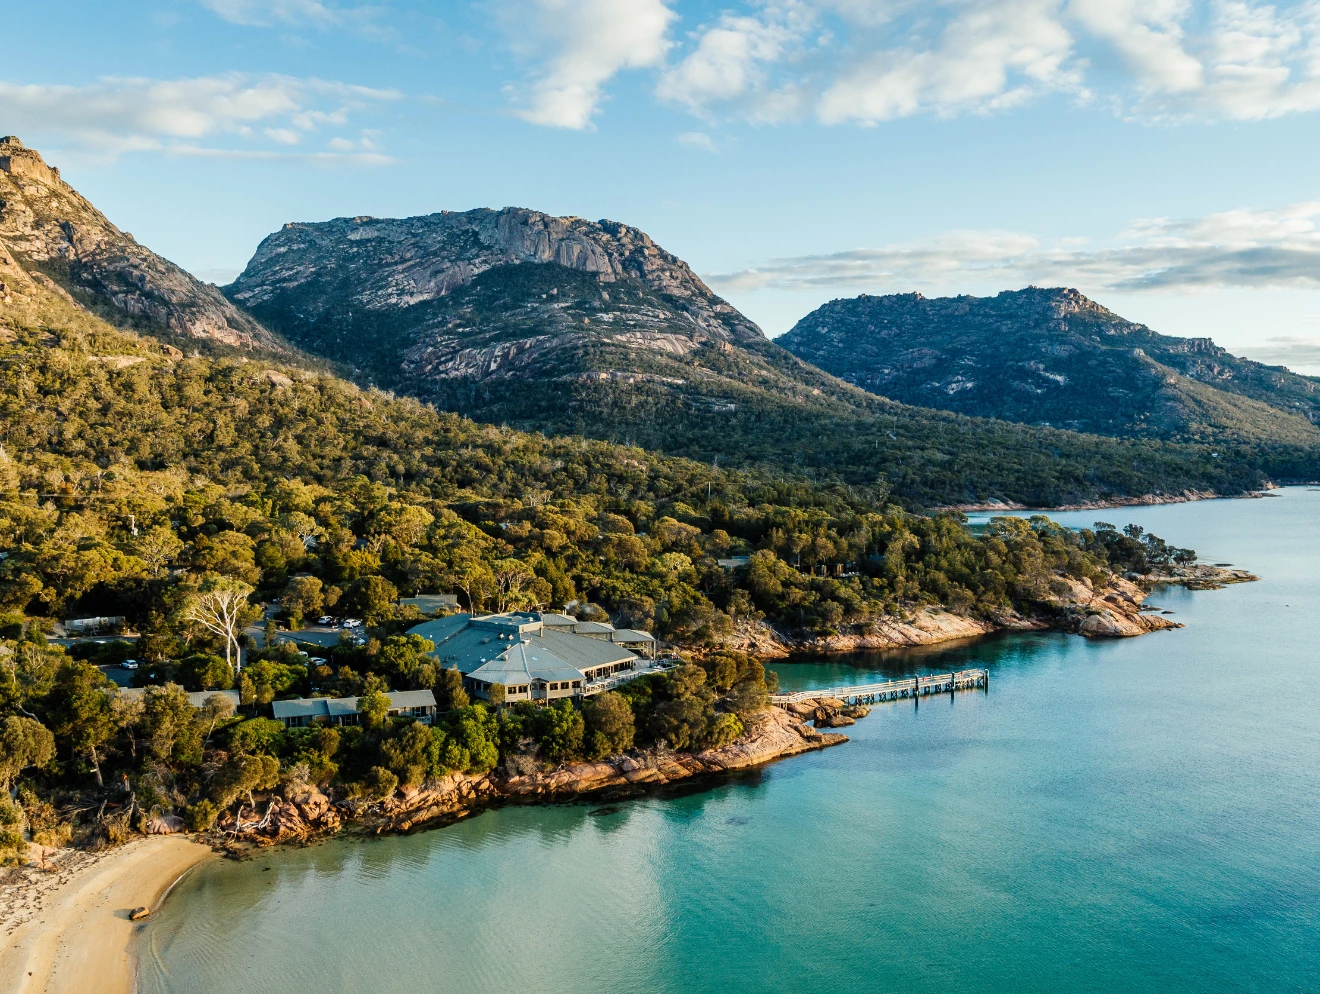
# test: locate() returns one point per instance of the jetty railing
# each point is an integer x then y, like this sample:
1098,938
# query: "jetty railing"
892,690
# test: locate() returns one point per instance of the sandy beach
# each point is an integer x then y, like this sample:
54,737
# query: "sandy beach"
70,933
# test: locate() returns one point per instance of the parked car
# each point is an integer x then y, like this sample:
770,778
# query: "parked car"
129,664
325,619
352,623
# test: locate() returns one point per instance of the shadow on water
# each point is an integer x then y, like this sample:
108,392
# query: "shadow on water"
996,651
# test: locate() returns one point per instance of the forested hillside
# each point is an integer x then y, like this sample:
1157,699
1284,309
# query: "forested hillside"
185,493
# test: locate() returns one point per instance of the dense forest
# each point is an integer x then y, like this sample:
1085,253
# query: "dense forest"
139,483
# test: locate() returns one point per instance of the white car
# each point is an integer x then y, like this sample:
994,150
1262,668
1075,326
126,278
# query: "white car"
325,619
352,623
129,664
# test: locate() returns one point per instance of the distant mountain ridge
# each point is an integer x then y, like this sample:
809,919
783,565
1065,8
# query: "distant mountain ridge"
53,233
577,327
566,327
1053,356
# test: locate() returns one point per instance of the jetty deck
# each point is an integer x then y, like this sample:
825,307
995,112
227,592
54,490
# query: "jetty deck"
893,690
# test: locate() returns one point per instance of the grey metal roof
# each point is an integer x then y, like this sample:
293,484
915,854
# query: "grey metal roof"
197,698
522,663
471,647
337,707
592,628
431,602
411,699
558,620
583,652
624,635
440,629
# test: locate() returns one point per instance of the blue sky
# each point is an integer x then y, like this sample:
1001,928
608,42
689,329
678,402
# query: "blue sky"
1158,154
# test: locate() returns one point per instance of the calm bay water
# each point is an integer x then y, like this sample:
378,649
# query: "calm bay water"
1136,815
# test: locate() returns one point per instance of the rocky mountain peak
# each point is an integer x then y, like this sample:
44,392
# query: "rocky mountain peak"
55,234
19,160
385,263
1051,355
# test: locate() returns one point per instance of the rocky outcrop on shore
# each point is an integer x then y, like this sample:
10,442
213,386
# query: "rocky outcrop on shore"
827,712
1198,576
1141,500
1112,609
305,811
926,626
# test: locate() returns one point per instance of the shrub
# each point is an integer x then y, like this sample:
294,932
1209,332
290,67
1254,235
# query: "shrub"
380,783
200,816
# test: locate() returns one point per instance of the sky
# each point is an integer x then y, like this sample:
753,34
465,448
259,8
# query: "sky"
1159,155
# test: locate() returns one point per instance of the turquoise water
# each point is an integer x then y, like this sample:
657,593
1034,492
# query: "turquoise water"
1136,815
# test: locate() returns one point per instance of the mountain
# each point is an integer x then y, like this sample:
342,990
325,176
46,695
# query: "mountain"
57,238
570,326
1052,356
566,327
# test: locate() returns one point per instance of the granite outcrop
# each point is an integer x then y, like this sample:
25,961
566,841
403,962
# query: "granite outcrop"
57,238
304,811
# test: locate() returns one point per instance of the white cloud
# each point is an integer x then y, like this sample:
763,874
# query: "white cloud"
582,44
285,136
1149,36
698,140
117,114
1241,248
989,55
1292,351
1265,63
868,61
265,13
730,59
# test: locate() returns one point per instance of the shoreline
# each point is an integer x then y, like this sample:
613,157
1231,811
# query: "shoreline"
1115,609
1146,500
306,813
73,935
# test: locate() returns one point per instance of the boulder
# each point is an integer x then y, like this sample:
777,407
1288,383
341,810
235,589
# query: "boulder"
832,718
138,914
311,803
284,822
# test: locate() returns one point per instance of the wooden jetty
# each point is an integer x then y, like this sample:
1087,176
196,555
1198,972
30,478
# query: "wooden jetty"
893,690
